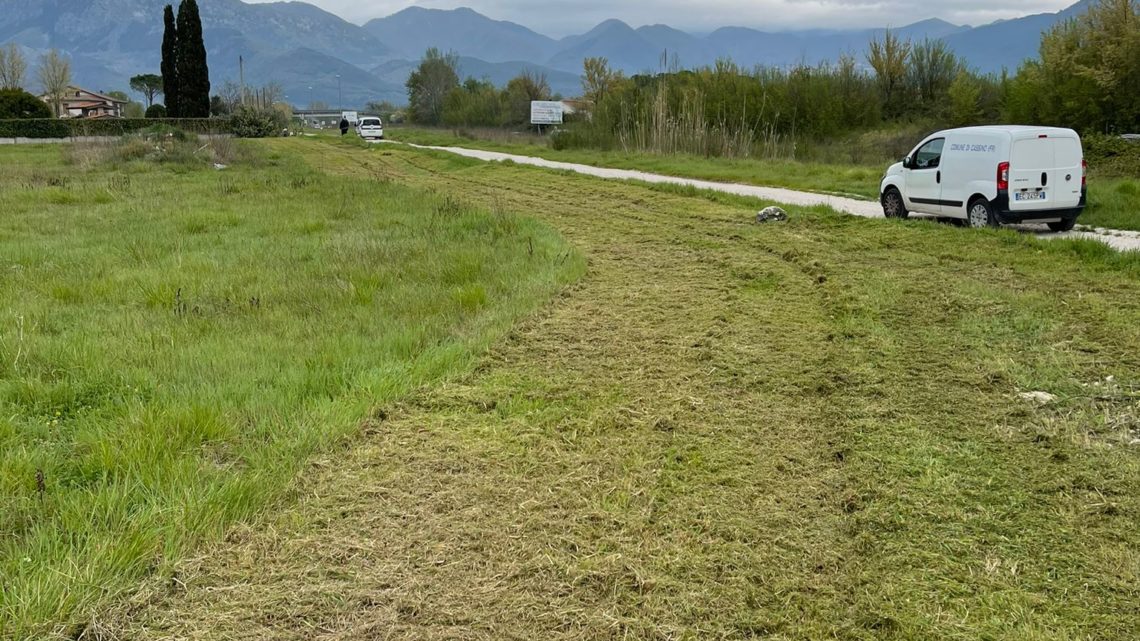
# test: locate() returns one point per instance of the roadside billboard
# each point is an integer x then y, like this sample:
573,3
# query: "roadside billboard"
545,112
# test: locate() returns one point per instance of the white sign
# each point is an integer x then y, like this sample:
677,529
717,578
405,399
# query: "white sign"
350,116
545,112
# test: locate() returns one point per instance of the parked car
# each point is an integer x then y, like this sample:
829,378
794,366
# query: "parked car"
370,127
990,176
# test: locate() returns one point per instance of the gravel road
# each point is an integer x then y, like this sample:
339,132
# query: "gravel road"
1117,239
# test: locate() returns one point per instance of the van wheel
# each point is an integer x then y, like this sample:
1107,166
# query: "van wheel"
981,214
1066,224
893,206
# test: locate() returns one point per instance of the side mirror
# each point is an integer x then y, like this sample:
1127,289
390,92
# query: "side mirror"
906,162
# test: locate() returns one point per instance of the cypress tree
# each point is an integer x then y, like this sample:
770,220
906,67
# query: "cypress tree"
193,73
170,87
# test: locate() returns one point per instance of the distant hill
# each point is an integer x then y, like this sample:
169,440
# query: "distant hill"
111,40
613,39
415,29
1006,44
301,46
561,82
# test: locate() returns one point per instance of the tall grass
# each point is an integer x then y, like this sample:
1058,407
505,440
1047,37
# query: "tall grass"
176,341
662,130
667,125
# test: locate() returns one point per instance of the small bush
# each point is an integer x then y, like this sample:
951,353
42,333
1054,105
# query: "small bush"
156,111
17,103
163,145
250,122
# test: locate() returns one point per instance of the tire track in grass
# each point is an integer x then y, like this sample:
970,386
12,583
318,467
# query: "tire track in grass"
613,469
797,431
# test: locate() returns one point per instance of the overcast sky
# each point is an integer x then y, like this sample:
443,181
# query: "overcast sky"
564,17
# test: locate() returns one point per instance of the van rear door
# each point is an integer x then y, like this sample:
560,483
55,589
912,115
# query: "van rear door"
1044,170
1069,171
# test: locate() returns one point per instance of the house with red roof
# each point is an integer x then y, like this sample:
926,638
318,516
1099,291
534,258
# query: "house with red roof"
81,103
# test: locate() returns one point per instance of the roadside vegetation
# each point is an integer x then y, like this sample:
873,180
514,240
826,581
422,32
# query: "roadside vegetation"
1114,202
799,430
1080,80
177,341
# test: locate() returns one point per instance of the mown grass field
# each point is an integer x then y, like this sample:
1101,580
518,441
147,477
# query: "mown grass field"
175,342
725,430
1114,202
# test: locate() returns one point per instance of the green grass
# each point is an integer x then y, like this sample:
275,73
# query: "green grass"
796,431
1114,202
176,342
847,180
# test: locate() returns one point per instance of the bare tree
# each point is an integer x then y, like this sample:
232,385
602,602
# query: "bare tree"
55,77
12,67
598,79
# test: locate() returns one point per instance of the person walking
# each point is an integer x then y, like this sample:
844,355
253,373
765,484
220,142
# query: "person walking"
343,126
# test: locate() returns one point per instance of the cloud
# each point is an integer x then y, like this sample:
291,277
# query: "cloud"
574,16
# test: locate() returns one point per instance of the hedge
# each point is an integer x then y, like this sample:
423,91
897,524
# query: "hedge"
69,128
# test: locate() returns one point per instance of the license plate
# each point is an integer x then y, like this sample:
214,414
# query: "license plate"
1029,195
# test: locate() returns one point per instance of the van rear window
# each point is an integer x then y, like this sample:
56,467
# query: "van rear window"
1032,153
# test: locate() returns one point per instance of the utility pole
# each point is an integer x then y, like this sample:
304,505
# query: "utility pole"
241,78
339,94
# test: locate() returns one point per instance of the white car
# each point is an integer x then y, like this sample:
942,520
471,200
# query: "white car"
370,127
990,176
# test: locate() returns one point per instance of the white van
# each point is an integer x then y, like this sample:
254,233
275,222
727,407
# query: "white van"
991,175
370,127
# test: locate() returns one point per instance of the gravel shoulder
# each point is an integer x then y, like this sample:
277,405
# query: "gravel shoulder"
1117,239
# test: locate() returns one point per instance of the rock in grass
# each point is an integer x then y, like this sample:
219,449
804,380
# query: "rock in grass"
771,214
1041,398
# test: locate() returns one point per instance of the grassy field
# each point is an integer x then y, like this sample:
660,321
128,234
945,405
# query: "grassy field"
725,430
1114,202
175,342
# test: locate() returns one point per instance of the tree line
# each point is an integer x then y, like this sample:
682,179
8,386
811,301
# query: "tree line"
1085,78
436,97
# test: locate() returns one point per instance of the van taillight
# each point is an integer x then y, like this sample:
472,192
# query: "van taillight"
1084,172
1003,176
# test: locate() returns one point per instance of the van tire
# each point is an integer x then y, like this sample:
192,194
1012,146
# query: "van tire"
980,214
1066,224
893,206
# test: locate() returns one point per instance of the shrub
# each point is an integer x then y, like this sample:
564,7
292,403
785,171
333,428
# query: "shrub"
161,144
1112,155
34,128
250,122
156,111
68,128
17,103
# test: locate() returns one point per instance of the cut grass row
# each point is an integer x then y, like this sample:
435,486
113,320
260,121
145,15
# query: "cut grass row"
1114,203
807,430
175,342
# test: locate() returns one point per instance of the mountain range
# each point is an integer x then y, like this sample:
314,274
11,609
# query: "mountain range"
316,56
